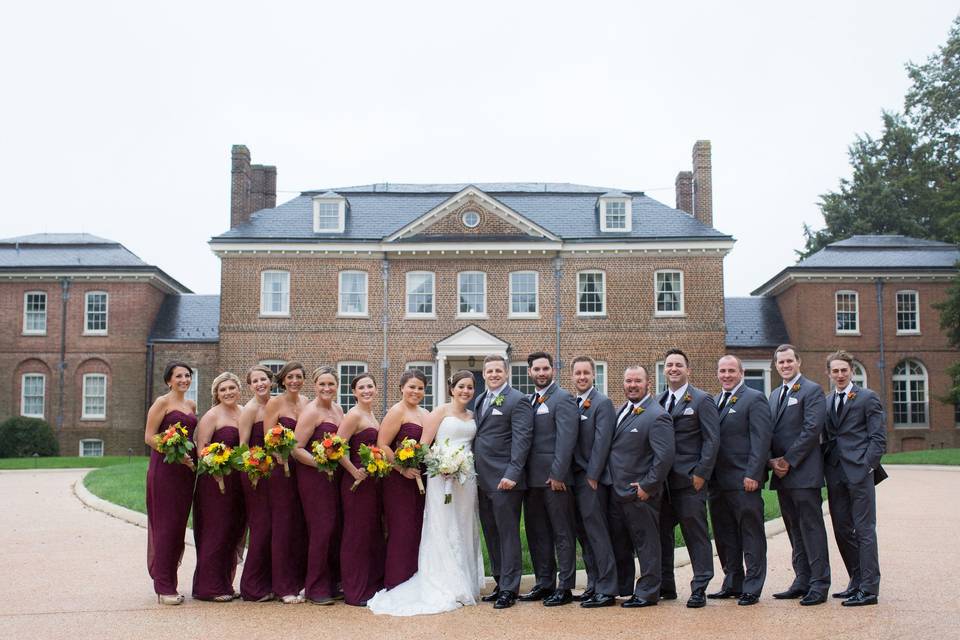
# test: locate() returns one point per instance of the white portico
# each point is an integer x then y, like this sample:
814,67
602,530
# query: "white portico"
465,349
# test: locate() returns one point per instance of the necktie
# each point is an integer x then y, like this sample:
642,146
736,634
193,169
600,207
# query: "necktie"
487,400
535,399
579,401
673,403
783,394
839,405
625,412
723,401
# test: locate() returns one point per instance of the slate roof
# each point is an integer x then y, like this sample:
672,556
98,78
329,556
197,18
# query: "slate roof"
754,322
376,211
187,318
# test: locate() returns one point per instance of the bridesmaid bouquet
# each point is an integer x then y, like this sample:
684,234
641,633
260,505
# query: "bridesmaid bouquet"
253,461
216,460
328,452
410,455
279,442
373,460
173,444
450,464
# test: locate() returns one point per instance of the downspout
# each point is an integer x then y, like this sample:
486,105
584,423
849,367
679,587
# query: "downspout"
882,362
385,321
62,366
148,392
558,316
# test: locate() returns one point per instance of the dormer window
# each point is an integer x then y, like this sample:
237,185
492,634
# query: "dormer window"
329,213
616,212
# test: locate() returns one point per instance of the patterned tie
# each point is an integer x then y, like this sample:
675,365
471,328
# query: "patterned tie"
723,401
534,399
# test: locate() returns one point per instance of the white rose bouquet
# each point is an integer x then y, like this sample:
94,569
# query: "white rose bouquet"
450,463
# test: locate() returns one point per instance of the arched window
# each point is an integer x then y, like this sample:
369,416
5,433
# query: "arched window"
909,394
859,376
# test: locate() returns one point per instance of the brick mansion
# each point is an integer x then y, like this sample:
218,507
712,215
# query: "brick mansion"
386,277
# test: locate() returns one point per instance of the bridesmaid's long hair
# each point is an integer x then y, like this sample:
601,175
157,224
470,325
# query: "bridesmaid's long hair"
220,379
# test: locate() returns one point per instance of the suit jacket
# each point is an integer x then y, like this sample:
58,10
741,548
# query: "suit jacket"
555,425
857,438
597,423
696,425
642,451
745,435
797,425
502,442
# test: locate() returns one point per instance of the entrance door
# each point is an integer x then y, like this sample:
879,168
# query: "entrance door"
478,387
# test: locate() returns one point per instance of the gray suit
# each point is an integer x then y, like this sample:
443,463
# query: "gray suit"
500,449
797,426
597,424
548,515
854,443
696,426
737,515
642,451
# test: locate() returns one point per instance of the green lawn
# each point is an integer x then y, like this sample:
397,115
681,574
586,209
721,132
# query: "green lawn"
930,456
64,462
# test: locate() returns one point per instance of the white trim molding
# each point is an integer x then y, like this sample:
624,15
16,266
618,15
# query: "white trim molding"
324,202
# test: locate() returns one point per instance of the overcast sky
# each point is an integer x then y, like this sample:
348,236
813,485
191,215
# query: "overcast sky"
117,119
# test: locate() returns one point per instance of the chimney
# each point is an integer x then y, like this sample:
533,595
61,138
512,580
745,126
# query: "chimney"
252,187
684,189
702,183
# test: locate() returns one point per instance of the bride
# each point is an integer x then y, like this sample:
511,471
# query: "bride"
450,565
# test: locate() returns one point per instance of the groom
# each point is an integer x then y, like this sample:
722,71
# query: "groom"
500,449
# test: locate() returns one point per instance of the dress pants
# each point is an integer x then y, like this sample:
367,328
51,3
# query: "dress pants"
739,534
688,508
500,520
594,534
853,511
803,517
549,520
635,530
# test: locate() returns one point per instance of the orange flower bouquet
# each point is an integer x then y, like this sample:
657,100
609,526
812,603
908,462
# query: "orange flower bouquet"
374,462
410,455
328,452
279,442
173,443
216,460
255,462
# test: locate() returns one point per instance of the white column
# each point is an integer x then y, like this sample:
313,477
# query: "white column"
440,384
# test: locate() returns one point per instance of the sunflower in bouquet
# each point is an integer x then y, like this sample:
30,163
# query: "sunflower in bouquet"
173,443
216,460
373,462
279,442
253,461
409,455
328,452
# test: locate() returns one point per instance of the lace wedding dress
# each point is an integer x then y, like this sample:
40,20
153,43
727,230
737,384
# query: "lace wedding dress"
450,565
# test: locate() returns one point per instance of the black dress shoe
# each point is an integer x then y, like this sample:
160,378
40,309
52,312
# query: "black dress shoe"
635,603
491,597
599,600
668,595
812,598
790,594
859,599
747,599
586,595
847,593
558,597
724,593
697,599
505,600
535,594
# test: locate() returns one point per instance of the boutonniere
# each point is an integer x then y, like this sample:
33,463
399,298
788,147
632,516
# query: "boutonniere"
851,395
637,410
498,401
542,399
795,387
687,397
733,400
586,404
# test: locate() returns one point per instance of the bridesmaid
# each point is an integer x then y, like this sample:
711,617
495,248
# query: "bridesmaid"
169,486
361,560
219,521
402,500
288,533
320,496
255,581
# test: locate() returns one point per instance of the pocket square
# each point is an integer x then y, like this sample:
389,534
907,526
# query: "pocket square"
791,402
542,409
732,411
688,411
634,430
496,412
583,417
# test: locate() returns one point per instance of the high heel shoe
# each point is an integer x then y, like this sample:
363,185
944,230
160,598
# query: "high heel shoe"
172,600
227,597
292,599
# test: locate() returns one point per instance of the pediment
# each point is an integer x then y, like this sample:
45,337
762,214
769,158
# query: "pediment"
471,340
496,220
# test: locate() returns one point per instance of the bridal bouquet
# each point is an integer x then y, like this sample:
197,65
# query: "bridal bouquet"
450,463
279,442
216,460
253,461
375,463
328,451
173,444
410,455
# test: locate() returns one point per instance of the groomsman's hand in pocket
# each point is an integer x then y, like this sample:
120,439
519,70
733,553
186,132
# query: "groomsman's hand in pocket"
643,495
592,483
556,485
698,482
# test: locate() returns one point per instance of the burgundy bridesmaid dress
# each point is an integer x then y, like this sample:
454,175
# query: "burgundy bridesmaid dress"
320,496
255,581
169,496
361,558
219,522
288,532
403,514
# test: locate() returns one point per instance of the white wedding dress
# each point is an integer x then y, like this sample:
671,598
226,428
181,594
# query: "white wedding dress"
450,564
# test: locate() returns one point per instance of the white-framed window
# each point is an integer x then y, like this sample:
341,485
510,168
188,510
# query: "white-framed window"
908,313
660,379
95,313
94,397
429,395
600,376
33,387
524,294
35,313
848,312
591,293
472,294
420,294
615,214
329,213
191,393
909,394
347,371
520,378
859,375
275,293
353,294
470,219
669,292
275,366
756,375
91,448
